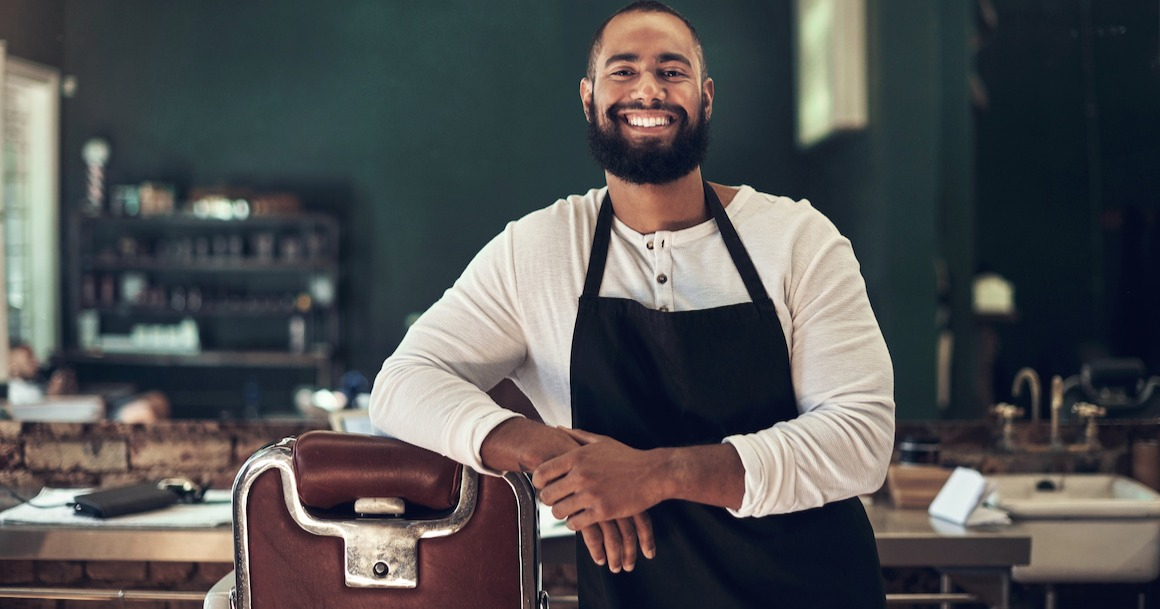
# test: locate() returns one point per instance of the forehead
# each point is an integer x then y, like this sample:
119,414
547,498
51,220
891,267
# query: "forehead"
647,35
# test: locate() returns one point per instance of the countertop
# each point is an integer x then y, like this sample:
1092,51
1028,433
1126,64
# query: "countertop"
905,538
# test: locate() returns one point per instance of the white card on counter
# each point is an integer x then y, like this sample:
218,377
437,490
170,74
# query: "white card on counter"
959,500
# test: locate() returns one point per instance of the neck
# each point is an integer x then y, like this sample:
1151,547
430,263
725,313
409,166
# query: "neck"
647,208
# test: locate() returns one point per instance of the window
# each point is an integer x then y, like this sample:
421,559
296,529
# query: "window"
29,206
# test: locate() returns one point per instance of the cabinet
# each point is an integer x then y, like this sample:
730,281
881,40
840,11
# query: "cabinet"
229,295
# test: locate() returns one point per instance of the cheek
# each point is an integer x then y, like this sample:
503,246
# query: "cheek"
608,93
599,113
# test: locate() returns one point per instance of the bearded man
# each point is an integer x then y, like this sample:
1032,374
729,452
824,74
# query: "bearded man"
713,385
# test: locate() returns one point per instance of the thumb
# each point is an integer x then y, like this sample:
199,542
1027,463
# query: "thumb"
581,436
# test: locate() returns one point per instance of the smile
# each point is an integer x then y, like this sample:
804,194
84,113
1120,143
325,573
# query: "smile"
648,121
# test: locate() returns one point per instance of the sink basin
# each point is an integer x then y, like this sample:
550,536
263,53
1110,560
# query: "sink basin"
1083,527
1074,496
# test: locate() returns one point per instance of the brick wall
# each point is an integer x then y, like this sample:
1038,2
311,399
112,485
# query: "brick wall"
109,454
33,455
105,454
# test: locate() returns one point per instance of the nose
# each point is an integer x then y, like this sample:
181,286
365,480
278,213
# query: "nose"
649,88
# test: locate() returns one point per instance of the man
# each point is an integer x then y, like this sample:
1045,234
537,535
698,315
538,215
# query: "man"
714,386
29,382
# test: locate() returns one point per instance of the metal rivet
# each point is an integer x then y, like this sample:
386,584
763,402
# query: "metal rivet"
381,569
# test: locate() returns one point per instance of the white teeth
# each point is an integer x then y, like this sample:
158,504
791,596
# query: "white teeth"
647,121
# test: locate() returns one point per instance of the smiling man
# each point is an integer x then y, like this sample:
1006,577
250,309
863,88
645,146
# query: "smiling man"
714,387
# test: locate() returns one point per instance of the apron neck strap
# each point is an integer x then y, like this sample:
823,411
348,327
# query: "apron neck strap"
599,254
736,248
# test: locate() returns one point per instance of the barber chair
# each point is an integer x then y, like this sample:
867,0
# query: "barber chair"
354,521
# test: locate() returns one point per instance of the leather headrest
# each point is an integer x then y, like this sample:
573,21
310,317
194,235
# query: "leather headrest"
337,468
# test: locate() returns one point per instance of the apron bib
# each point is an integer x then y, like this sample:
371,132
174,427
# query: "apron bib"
650,379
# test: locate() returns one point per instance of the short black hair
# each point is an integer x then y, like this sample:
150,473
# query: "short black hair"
644,6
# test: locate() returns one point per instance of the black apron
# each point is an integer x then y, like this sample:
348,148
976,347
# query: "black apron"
650,379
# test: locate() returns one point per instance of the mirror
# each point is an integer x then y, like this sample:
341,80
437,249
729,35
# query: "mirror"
1067,185
428,127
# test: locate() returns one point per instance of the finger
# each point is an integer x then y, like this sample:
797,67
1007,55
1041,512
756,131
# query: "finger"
555,491
566,508
613,548
581,516
550,470
644,533
594,539
581,436
628,538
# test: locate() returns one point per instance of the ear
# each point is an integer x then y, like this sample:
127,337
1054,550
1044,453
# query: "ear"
707,91
585,96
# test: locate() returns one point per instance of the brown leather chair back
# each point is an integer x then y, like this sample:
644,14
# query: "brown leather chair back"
299,543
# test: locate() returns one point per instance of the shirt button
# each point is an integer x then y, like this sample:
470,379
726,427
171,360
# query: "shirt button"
663,309
662,278
649,244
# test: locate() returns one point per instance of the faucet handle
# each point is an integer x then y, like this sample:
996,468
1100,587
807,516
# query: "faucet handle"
1086,410
1007,412
1091,412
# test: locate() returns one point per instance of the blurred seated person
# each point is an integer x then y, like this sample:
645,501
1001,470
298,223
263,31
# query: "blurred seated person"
30,382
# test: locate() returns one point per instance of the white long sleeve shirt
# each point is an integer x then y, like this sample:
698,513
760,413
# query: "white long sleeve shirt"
512,312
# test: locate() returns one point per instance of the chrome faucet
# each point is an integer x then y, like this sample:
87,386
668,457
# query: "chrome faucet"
1056,406
1028,376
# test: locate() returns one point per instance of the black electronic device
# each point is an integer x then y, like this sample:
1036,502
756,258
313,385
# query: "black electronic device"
124,500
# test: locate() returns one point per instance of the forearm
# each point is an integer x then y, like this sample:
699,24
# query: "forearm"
521,445
605,479
710,474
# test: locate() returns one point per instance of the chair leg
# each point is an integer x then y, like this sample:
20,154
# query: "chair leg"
1049,596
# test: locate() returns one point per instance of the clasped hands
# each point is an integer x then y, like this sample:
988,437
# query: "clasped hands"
603,489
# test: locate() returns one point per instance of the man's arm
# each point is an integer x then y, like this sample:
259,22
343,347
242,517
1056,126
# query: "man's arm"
428,391
520,445
840,444
605,479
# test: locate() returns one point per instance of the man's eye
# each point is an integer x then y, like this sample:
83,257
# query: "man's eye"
672,74
623,72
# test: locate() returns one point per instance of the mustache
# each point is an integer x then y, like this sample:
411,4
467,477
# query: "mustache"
613,111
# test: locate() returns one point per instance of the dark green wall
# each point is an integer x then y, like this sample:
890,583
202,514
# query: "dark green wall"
427,126
887,187
956,220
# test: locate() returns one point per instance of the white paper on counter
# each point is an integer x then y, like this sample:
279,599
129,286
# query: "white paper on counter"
959,501
216,510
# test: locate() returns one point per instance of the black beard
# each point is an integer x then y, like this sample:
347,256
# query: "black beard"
651,162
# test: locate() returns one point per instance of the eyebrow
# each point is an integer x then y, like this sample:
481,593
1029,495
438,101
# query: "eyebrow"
663,57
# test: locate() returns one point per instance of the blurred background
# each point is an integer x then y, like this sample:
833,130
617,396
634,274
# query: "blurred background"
1010,139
